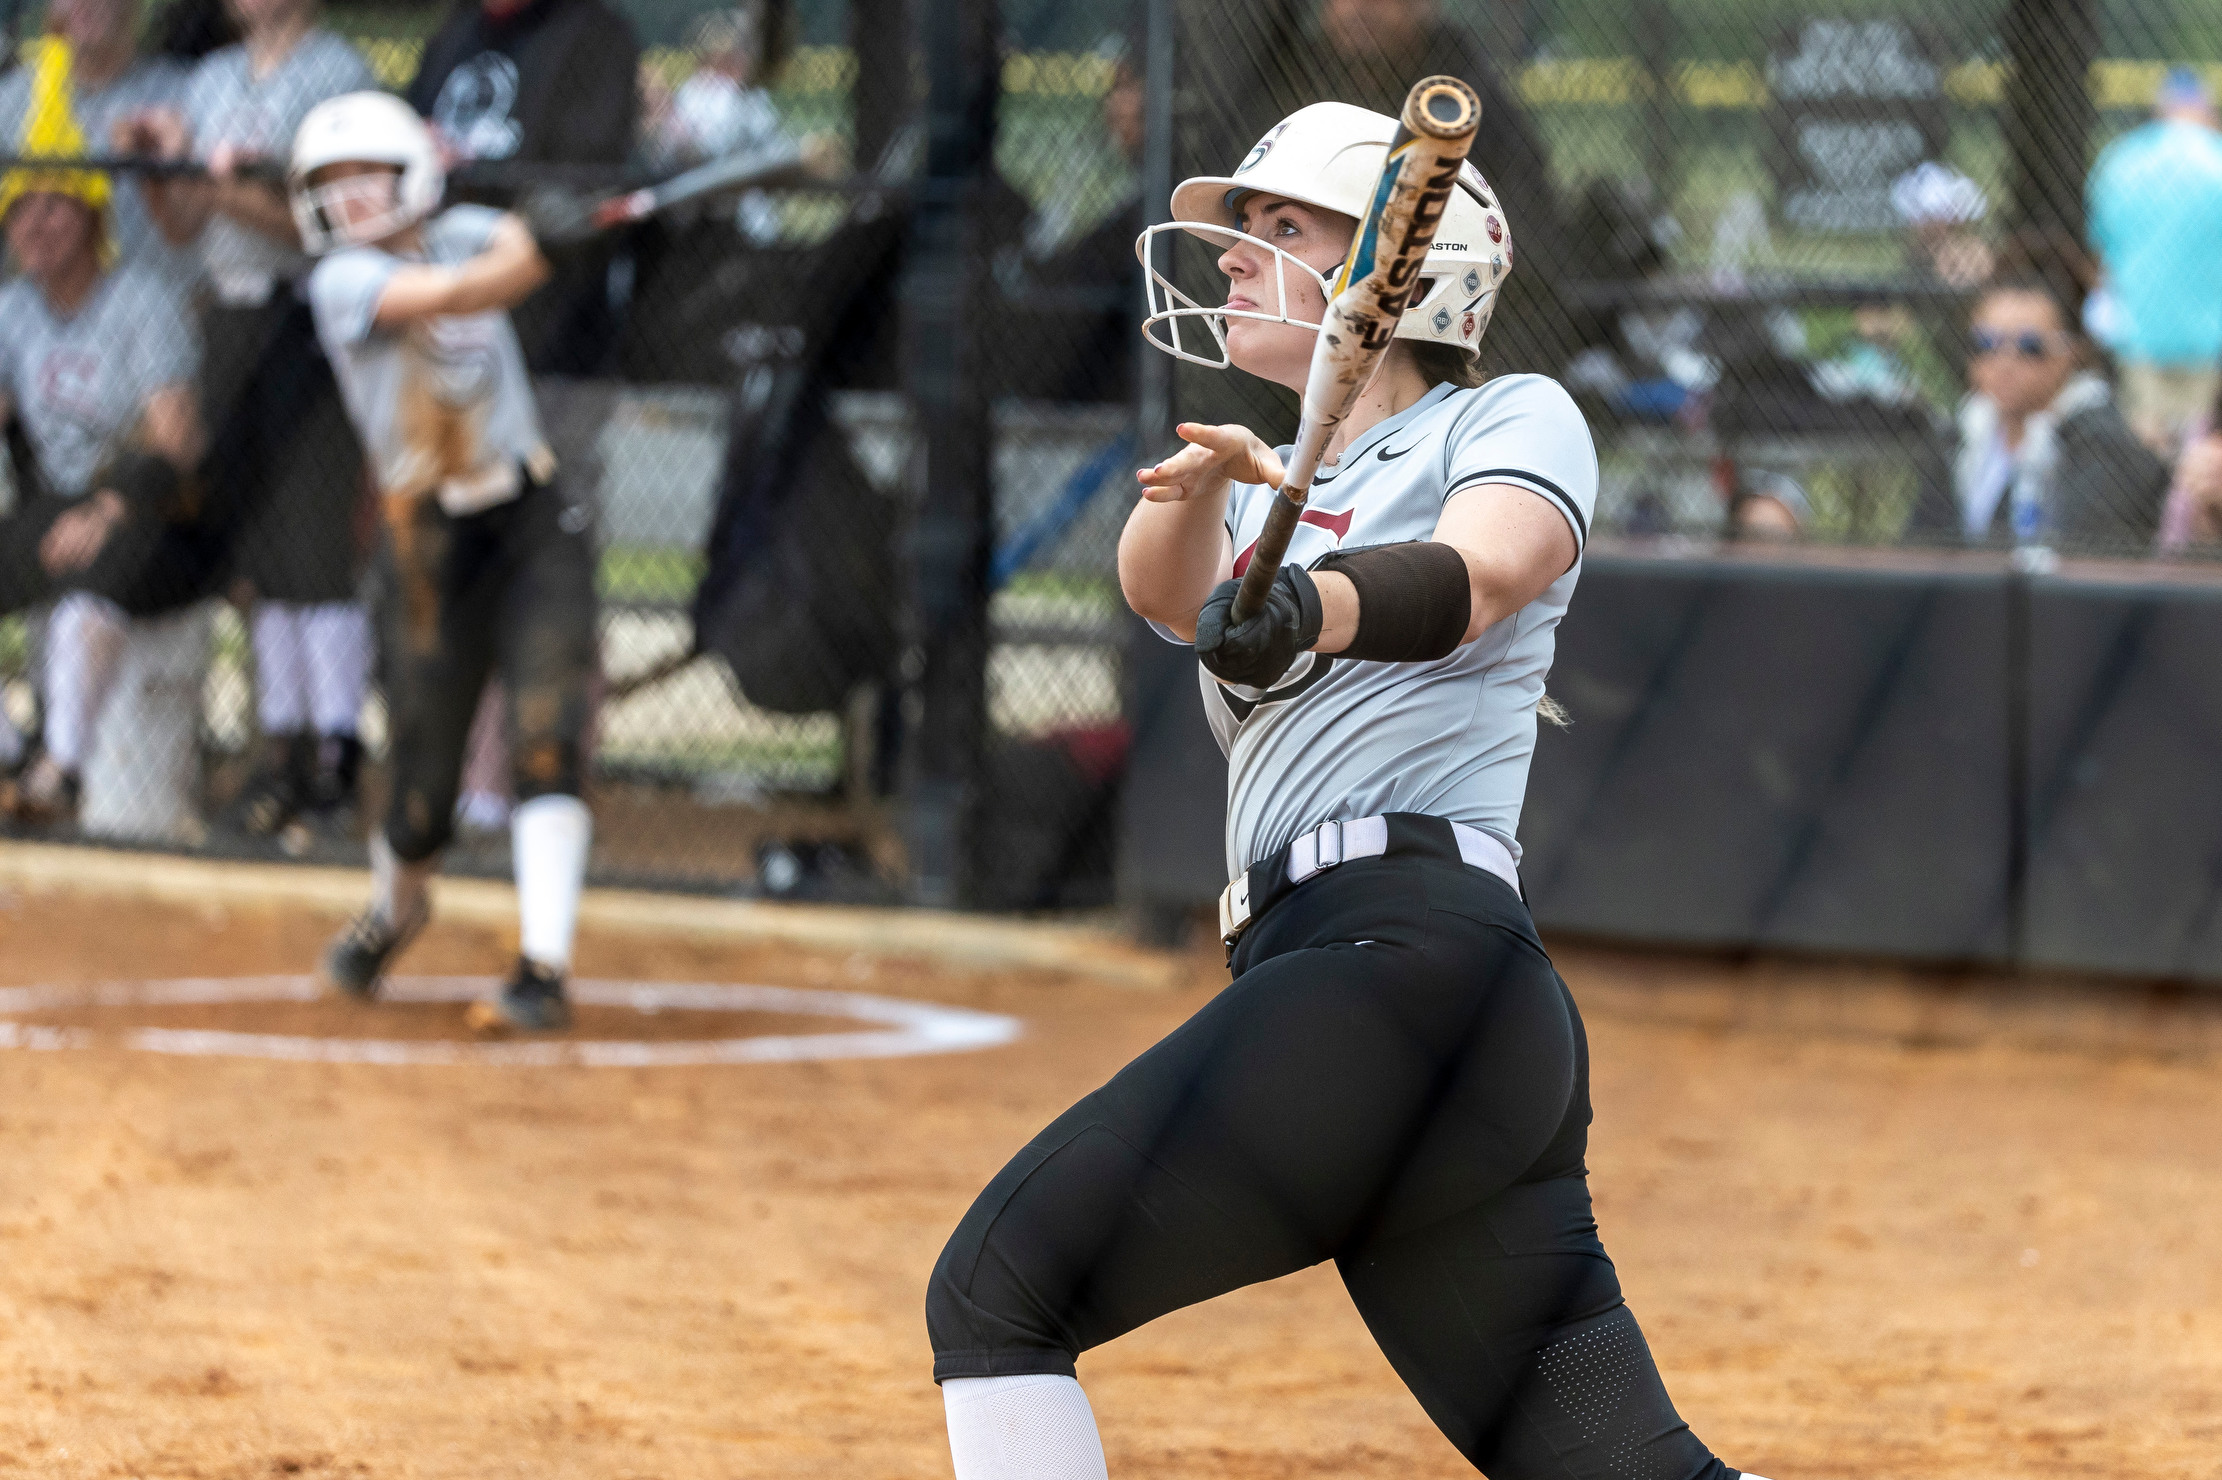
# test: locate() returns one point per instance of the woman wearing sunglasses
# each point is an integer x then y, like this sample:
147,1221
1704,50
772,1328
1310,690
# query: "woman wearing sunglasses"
2043,457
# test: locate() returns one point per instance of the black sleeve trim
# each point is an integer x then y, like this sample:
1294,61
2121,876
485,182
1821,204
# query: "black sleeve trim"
1535,481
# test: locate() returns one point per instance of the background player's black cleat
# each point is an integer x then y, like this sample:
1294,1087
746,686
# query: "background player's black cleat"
357,959
531,1001
278,787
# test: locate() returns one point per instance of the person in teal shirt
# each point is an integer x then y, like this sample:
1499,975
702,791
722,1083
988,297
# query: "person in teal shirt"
2156,221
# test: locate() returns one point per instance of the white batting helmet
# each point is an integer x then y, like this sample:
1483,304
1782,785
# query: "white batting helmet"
1330,155
362,128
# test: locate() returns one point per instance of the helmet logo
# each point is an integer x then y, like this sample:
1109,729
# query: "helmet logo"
1473,281
1250,161
1442,320
1496,229
1466,330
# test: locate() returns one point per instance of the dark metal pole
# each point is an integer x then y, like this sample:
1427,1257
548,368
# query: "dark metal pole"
1155,411
880,97
952,535
2050,115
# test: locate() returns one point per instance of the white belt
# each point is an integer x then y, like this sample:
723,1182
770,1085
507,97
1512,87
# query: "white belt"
1331,843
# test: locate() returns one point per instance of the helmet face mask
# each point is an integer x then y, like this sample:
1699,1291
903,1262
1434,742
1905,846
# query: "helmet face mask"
1167,305
353,210
1329,156
364,206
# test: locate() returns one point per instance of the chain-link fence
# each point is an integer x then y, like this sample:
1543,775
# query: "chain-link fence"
853,442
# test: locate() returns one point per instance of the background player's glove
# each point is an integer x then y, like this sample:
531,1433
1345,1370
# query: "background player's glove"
556,217
1261,649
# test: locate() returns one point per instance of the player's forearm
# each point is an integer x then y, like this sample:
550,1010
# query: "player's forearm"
1171,555
257,209
499,277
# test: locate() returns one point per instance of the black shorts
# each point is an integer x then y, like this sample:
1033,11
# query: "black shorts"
509,590
1397,1080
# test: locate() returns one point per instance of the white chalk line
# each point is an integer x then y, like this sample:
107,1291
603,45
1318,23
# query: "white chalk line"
901,1027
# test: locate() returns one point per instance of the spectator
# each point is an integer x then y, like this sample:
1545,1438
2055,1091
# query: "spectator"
96,363
2194,519
1943,210
2043,457
281,445
540,82
108,81
720,110
1767,508
1071,280
2156,221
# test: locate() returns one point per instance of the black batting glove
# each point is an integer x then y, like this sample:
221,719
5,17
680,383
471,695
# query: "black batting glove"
1262,649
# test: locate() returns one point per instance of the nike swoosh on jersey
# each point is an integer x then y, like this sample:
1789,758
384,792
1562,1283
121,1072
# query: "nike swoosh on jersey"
1387,456
1337,525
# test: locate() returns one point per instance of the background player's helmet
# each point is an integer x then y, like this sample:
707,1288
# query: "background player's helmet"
363,128
1330,155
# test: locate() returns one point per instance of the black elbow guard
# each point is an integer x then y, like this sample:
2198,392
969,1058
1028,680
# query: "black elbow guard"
1414,600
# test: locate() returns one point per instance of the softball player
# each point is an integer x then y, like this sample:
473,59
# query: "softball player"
485,564
1397,1079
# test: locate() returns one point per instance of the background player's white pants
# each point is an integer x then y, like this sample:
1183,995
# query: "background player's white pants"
312,662
84,645
1035,1427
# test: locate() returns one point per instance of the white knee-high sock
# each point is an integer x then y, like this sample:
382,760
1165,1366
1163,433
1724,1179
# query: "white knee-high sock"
548,839
335,646
1022,1428
84,645
397,888
281,669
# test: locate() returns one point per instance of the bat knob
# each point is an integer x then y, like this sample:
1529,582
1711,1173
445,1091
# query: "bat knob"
1441,108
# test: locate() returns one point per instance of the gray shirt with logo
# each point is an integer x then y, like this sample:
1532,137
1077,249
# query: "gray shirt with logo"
226,103
1335,738
79,383
149,82
442,404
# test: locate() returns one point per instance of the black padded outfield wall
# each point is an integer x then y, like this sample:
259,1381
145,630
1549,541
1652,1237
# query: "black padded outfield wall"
1928,758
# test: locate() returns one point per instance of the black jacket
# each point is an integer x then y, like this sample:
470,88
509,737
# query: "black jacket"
557,81
2106,497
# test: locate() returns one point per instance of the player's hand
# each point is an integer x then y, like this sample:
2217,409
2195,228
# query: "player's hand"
556,217
1214,457
161,132
74,540
1263,648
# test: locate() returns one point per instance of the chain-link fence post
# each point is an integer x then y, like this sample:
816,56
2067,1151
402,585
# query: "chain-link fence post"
2050,115
952,534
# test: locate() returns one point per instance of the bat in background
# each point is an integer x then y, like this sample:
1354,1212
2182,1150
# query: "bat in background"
268,171
1366,297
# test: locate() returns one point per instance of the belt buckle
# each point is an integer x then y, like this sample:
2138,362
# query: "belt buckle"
1322,854
1234,909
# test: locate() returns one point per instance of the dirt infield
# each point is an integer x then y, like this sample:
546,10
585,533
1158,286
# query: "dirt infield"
1876,1225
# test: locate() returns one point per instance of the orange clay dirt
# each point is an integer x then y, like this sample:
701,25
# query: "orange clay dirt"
1876,1225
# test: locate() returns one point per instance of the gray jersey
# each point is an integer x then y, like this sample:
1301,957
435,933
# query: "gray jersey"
149,82
442,404
1337,738
80,383
226,103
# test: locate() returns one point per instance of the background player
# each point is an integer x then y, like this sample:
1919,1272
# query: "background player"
483,564
1397,1079
96,365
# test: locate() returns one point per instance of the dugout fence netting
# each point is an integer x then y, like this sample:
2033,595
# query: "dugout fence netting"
1752,239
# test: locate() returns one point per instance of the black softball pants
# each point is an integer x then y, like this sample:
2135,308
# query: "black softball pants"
509,589
1397,1080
